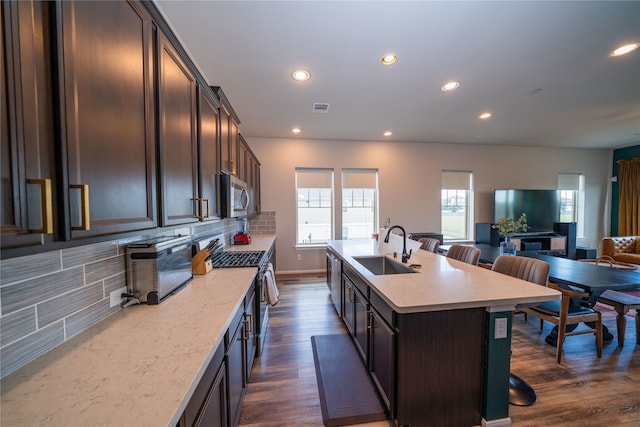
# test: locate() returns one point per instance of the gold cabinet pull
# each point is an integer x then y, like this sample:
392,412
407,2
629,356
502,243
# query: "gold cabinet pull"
46,205
202,208
84,207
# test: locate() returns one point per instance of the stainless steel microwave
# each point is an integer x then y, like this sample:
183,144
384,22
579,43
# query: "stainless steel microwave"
235,197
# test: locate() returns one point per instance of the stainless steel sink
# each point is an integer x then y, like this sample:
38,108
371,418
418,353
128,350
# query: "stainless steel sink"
380,265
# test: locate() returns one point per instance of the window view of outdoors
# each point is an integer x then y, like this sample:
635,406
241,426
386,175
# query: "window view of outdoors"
571,186
359,203
454,214
358,212
314,192
457,205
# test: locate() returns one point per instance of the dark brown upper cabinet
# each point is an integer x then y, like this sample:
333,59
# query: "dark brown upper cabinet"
177,106
229,128
106,80
27,126
209,155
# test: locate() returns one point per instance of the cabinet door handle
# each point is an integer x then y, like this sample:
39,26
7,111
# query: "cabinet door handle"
46,205
245,331
85,221
250,321
351,295
369,322
200,208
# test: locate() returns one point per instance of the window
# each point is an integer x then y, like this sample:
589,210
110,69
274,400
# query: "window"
314,190
571,186
457,205
359,203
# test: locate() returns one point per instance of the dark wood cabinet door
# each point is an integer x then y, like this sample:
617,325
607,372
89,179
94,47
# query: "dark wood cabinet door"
107,89
225,157
177,139
27,126
214,410
243,171
381,357
235,375
250,333
209,158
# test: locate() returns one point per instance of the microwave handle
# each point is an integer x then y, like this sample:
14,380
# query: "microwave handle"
244,198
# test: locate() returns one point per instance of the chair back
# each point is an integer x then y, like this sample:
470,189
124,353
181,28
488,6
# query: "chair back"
464,253
429,244
529,269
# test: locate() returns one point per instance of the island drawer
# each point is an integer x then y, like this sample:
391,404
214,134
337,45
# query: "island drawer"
382,308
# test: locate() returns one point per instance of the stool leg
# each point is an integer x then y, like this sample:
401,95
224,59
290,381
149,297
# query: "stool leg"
621,324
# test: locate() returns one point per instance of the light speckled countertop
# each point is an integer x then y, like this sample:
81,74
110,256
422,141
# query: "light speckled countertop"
138,367
442,283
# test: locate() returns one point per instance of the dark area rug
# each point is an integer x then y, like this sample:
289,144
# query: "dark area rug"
347,393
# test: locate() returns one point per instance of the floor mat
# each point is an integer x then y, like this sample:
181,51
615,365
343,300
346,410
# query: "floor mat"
347,393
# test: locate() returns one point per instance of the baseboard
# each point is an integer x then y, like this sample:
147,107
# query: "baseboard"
300,275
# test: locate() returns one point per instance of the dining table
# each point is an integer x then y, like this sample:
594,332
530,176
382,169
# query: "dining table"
590,278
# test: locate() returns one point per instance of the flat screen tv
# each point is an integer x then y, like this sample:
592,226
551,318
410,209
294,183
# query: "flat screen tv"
542,207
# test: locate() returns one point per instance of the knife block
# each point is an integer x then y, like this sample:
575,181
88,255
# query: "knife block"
200,264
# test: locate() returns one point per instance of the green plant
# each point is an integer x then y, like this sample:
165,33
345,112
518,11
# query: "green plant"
508,226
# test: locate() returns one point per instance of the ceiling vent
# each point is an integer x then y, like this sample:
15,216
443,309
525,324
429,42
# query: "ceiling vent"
320,107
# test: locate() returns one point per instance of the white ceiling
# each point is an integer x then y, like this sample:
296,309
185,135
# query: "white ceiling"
499,51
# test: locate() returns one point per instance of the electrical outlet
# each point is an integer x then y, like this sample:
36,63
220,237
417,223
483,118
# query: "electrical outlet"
182,232
299,257
115,297
500,328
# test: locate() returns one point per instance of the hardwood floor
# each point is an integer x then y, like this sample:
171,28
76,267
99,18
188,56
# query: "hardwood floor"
583,391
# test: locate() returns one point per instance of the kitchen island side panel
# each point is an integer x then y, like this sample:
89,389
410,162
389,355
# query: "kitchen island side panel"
440,368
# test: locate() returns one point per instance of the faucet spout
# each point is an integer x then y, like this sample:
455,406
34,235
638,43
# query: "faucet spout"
405,256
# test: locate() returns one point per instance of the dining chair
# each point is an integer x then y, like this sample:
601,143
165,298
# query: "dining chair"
429,244
561,313
464,253
531,270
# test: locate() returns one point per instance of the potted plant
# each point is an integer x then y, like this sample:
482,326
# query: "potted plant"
507,227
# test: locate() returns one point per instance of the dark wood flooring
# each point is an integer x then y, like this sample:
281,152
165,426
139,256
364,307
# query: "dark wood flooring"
583,391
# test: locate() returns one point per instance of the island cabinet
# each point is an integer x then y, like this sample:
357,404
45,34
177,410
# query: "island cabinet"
426,366
29,187
334,280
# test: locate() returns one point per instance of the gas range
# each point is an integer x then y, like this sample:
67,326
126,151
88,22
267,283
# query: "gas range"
224,259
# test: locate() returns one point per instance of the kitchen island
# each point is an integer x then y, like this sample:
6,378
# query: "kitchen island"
436,341
138,367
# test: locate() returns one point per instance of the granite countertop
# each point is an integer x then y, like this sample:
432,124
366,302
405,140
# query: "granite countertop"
442,283
138,367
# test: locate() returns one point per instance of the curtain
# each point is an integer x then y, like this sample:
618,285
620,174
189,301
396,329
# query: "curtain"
629,213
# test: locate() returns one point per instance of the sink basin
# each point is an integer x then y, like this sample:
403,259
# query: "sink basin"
380,265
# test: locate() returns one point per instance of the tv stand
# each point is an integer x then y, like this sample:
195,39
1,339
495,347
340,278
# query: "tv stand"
559,242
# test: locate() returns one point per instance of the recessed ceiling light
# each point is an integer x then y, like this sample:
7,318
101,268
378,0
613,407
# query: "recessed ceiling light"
387,133
449,86
388,59
485,116
623,50
300,75
296,130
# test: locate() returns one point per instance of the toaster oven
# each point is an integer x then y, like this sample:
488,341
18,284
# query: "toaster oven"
158,267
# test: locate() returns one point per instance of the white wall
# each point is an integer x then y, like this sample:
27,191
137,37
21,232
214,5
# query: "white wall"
410,178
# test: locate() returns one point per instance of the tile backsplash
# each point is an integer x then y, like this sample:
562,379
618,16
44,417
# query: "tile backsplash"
50,297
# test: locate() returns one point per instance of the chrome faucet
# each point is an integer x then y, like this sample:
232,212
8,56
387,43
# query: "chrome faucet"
405,256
